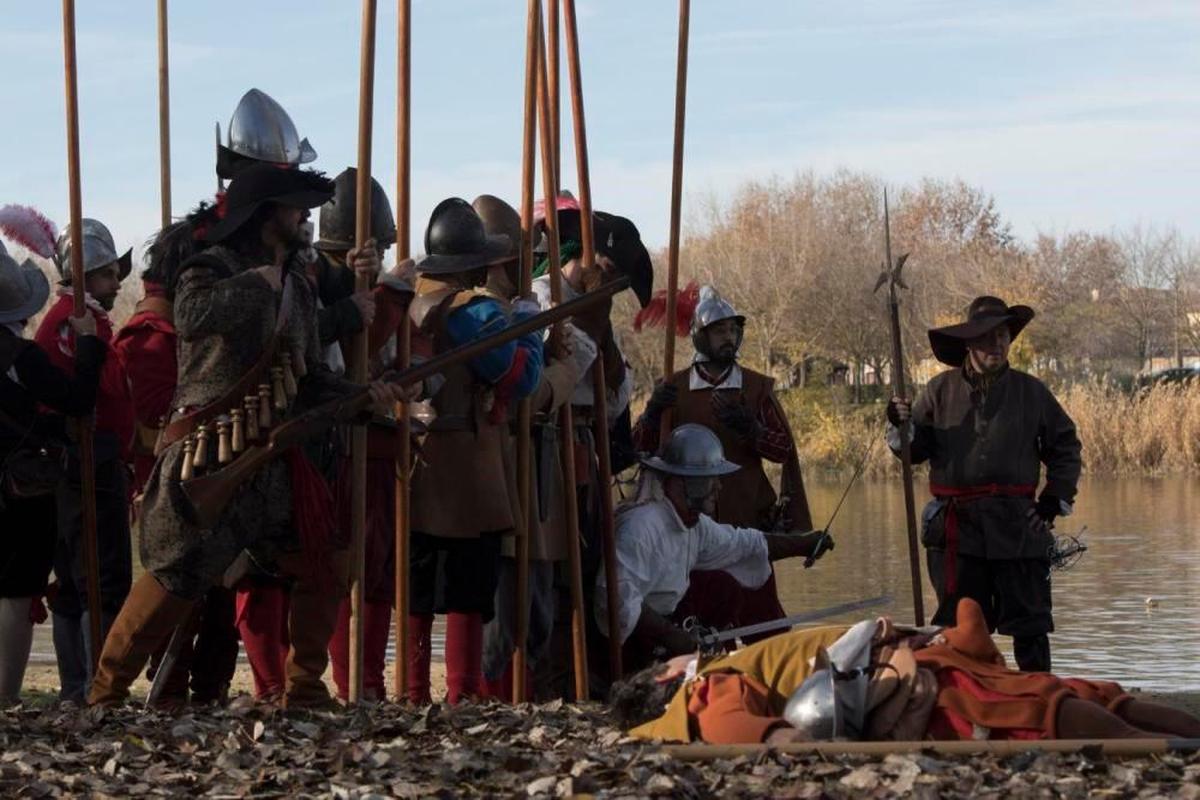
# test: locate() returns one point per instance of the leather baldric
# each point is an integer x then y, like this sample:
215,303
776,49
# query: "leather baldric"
186,425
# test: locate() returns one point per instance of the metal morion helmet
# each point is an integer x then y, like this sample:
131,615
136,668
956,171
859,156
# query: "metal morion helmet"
712,308
262,130
339,214
831,703
99,250
692,451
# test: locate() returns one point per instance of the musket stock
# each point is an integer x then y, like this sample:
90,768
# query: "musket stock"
209,494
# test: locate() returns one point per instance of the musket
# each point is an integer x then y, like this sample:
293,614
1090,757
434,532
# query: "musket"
892,276
707,639
209,494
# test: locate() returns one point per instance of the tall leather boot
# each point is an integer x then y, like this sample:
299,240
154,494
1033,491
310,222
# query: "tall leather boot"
311,620
1032,653
147,619
420,653
464,656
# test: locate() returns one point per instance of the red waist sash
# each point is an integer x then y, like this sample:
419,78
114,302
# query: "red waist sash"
953,495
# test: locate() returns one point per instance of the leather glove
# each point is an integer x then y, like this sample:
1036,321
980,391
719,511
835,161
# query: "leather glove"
739,419
1048,507
898,411
665,396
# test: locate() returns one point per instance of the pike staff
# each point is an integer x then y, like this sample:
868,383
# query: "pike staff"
891,276
404,343
681,64
567,422
524,409
87,425
599,379
164,117
362,282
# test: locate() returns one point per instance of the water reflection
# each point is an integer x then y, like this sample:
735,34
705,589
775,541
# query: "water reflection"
1142,536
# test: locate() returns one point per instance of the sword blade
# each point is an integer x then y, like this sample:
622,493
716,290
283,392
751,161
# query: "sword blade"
796,619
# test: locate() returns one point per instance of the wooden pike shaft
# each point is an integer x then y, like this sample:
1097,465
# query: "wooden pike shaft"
566,418
552,71
1111,747
681,64
599,378
524,410
403,510
87,426
164,116
899,389
362,282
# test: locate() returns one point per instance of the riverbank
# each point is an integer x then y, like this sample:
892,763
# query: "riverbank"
492,750
1152,431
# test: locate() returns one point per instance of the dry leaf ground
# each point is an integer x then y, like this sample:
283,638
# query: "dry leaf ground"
492,750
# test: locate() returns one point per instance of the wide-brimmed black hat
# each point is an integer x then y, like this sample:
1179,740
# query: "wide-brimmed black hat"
456,241
268,183
615,237
984,315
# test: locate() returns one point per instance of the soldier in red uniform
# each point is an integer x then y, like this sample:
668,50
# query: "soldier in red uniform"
104,270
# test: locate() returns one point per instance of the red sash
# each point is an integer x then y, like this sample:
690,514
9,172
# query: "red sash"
953,495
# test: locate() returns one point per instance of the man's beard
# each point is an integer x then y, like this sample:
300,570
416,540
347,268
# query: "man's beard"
107,301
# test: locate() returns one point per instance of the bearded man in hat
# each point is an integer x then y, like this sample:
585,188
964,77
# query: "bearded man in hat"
667,532
740,405
986,429
245,316
104,270
464,495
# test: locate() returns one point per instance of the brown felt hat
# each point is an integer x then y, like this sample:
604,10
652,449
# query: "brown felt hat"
984,315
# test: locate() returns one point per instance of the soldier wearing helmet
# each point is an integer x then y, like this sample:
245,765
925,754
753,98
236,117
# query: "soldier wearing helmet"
104,268
740,406
667,531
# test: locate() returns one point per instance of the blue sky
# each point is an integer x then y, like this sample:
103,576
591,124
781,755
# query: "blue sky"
1073,113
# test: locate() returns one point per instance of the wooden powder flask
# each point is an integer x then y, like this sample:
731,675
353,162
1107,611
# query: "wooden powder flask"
278,393
251,402
264,408
224,442
189,450
200,457
237,421
289,376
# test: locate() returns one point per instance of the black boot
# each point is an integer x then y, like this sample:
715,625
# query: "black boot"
1032,653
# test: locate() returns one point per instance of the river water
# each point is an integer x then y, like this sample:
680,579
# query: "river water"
1143,536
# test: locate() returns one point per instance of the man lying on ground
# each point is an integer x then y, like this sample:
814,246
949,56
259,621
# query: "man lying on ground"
880,681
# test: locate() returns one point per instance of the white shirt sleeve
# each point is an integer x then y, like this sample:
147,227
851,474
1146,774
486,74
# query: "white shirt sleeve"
742,552
635,579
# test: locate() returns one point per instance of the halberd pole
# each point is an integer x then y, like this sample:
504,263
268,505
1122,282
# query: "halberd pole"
892,276
87,425
164,117
362,282
566,413
599,378
404,344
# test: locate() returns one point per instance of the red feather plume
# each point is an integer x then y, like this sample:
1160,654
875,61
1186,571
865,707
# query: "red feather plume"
29,228
654,314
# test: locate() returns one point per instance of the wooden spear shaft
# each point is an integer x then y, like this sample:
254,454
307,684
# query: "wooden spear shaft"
566,417
362,282
552,69
681,64
599,378
899,389
164,117
524,409
404,345
87,426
